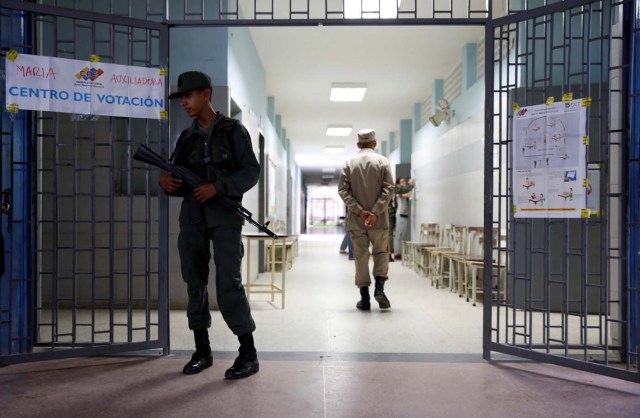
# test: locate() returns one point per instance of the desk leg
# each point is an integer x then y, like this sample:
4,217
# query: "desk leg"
461,278
284,268
248,269
466,281
474,284
273,265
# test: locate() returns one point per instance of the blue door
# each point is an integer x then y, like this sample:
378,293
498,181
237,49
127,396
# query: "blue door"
16,282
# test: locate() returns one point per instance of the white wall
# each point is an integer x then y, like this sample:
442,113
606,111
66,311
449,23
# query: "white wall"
448,164
394,158
276,156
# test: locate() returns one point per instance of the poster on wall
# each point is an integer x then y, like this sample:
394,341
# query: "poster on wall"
41,83
549,160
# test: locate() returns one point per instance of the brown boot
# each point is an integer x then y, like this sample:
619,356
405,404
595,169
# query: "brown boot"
364,304
379,295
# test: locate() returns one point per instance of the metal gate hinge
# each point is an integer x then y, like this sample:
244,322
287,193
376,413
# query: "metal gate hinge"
7,206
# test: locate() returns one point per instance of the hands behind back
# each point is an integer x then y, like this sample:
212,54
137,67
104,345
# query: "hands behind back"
368,217
371,220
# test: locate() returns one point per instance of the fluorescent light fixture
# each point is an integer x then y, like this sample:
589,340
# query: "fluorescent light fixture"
347,92
319,161
328,176
339,130
333,149
328,170
371,9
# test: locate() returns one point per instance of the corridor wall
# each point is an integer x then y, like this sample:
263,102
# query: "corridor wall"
448,162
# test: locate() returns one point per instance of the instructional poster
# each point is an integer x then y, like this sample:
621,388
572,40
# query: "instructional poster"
550,160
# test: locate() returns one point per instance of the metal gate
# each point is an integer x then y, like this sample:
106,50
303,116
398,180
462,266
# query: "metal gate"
84,227
562,290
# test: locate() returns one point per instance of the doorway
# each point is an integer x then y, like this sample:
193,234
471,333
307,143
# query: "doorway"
325,210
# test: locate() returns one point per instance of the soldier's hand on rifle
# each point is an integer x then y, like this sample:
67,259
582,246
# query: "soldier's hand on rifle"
204,192
169,183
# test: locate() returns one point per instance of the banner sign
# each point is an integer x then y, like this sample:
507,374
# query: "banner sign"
549,155
90,88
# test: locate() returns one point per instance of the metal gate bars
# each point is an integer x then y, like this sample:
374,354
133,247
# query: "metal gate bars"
85,234
558,290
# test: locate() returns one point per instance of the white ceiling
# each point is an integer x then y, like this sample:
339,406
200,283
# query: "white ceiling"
398,63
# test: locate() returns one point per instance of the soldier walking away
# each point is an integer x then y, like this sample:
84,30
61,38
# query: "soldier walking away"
366,185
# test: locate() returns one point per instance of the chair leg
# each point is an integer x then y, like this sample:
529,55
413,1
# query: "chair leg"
438,265
474,279
466,281
461,277
427,266
452,275
475,283
430,268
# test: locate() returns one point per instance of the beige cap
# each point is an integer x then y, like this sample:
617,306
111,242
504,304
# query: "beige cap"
366,135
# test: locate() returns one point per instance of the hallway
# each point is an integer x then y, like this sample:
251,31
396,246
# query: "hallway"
320,314
320,357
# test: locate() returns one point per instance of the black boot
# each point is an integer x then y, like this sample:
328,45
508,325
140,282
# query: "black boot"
202,358
378,293
364,304
247,362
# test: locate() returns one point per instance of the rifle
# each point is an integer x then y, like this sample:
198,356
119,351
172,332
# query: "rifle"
146,155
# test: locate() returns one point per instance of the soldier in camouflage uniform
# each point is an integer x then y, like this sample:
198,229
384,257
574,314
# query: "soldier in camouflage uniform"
218,149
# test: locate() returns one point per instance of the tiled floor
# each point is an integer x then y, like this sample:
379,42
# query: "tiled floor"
320,357
320,314
154,387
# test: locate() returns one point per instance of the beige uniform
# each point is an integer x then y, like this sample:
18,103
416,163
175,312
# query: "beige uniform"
365,183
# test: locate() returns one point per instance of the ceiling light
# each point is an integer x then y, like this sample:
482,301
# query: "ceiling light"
332,149
347,92
319,161
328,170
339,130
327,176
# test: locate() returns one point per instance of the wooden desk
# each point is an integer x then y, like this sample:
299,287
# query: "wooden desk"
268,288
285,261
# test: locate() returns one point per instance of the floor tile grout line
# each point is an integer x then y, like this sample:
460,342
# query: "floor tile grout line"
324,391
335,356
